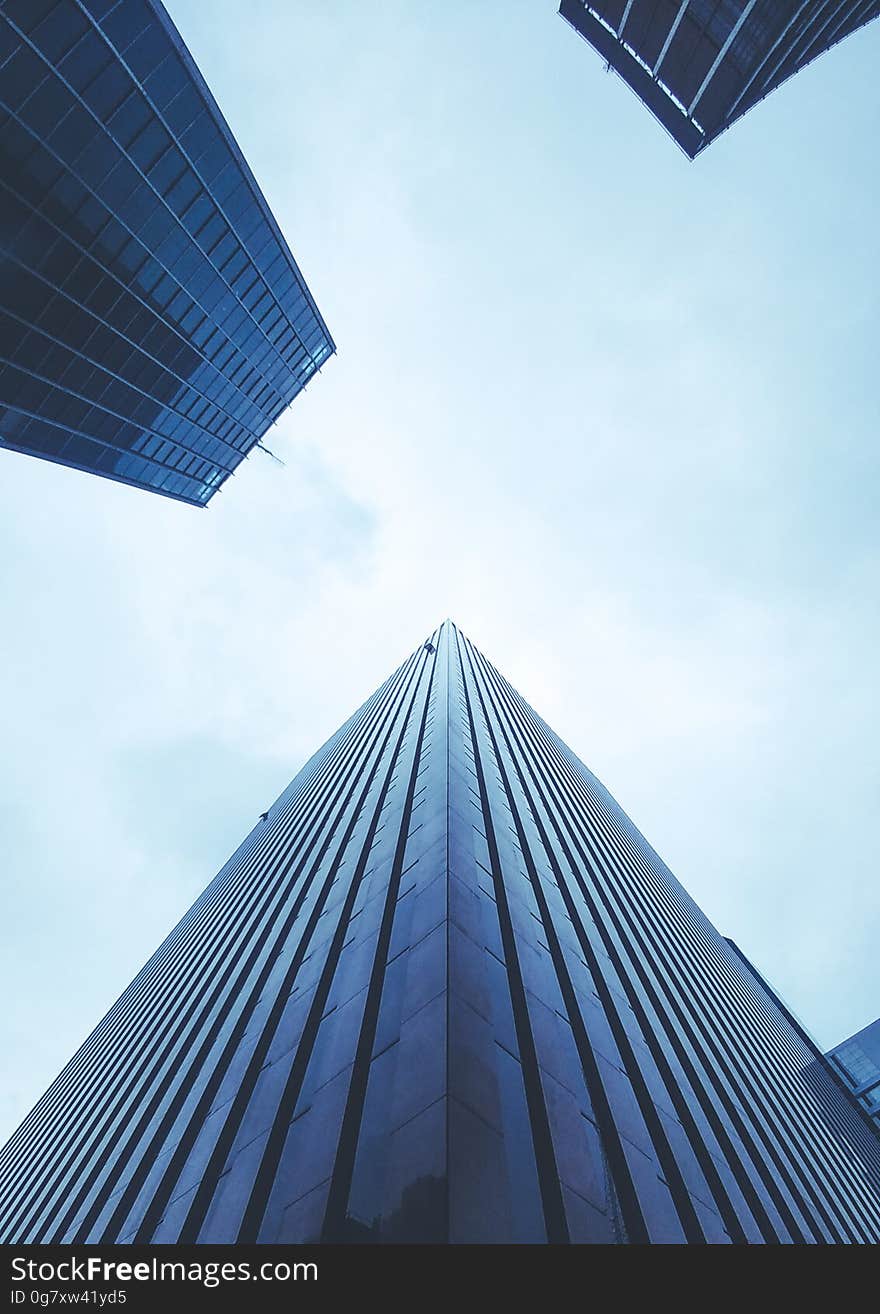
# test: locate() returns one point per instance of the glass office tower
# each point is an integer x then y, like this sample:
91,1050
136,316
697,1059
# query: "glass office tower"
444,992
153,322
858,1061
698,65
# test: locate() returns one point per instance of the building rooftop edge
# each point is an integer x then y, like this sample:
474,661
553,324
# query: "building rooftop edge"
205,91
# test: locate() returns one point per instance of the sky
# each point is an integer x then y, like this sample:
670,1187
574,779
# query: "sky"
613,412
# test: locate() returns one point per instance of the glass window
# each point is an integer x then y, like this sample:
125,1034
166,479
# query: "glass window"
150,144
26,14
178,306
21,75
72,133
164,290
82,451
126,22
166,82
119,183
85,61
213,230
42,110
102,297
213,159
184,110
98,8
45,438
92,213
198,213
183,192
58,31
167,169
147,50
157,226
43,172
226,181
237,205
170,248
200,279
129,118
34,233
108,90
96,160
136,205
113,236
186,263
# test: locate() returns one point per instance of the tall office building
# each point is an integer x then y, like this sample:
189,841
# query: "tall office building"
698,65
153,322
444,991
858,1061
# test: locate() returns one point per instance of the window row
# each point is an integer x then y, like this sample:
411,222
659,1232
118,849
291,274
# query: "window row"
185,476
84,283
68,323
78,386
73,134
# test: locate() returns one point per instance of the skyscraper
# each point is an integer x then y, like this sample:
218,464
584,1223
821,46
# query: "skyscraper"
698,65
153,322
858,1061
444,991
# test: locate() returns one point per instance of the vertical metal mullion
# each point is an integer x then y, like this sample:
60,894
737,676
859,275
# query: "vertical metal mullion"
545,1155
264,1180
333,1227
633,1217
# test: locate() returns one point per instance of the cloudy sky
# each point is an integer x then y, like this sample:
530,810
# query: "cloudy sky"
613,412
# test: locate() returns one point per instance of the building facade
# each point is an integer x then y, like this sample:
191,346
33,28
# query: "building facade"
858,1061
153,322
699,65
444,992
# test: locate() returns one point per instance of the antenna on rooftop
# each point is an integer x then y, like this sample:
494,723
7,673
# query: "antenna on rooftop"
264,448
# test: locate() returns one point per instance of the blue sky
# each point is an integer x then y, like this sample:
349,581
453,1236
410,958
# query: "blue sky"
613,412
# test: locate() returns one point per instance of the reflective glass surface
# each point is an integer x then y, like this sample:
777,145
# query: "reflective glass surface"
445,992
700,64
858,1060
153,323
